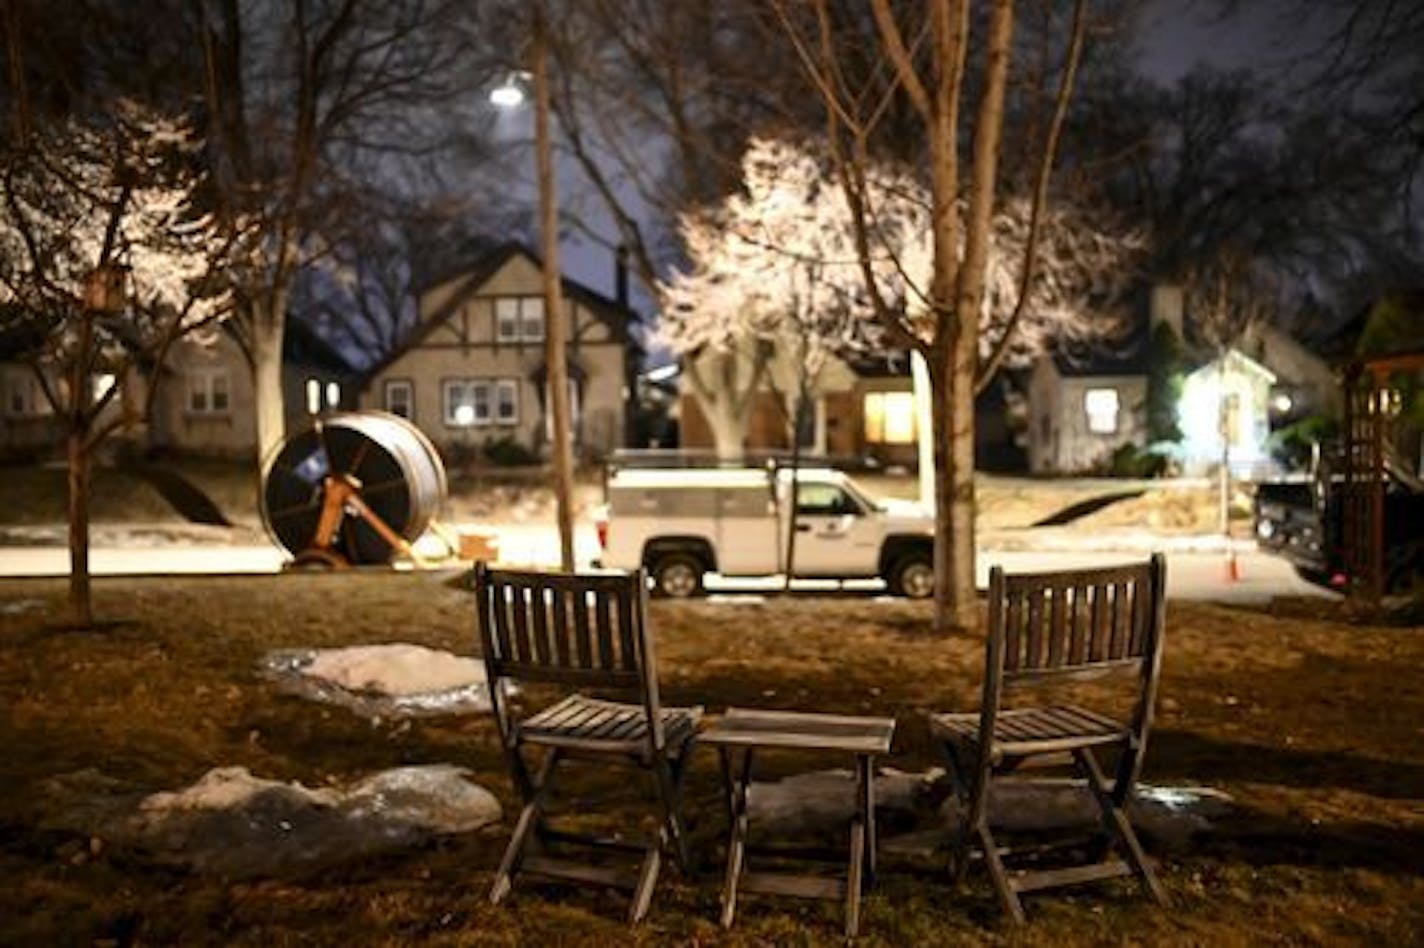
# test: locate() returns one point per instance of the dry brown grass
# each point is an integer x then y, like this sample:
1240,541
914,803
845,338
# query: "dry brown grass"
1311,722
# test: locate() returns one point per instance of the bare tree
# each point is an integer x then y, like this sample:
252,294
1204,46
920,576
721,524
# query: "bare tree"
105,261
310,102
923,57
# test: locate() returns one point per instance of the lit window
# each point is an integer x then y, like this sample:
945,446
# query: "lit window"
399,399
467,402
506,401
575,406
208,391
519,319
333,394
1101,406
890,417
313,396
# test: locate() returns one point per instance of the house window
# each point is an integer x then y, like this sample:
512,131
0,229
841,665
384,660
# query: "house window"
519,319
313,397
575,406
23,397
890,417
506,402
468,402
1101,406
399,399
208,392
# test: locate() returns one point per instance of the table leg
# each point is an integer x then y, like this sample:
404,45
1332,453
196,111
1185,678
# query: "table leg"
854,875
868,813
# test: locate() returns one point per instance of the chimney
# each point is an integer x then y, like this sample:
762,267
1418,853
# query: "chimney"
620,275
1166,307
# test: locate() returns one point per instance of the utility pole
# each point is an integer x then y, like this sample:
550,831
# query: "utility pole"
555,357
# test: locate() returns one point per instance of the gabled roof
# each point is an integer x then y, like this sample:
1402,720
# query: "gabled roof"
1127,354
302,345
616,316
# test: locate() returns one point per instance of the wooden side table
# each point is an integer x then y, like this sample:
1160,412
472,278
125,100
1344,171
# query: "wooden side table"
746,730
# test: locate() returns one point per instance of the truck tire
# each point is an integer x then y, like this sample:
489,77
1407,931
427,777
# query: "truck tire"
912,575
678,576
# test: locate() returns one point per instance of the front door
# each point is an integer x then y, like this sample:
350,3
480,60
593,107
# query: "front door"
834,534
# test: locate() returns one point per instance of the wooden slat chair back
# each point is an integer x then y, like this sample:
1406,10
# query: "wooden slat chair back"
580,632
1049,629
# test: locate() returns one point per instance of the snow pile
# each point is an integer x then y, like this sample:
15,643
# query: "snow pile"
394,680
234,824
397,669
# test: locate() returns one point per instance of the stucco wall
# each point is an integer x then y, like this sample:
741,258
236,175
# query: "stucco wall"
228,433
464,345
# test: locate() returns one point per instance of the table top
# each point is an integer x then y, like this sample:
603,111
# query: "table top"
747,727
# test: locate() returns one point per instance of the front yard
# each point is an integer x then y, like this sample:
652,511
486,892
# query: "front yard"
1311,723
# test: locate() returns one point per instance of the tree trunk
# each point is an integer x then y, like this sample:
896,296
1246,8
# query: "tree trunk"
268,410
729,429
80,603
953,493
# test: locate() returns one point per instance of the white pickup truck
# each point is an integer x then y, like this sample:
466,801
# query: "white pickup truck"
686,522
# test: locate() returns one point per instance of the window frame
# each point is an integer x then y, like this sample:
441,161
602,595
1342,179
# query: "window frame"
501,386
1091,416
519,319
209,383
392,385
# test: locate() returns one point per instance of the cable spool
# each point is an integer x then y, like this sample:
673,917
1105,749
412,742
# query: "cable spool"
355,488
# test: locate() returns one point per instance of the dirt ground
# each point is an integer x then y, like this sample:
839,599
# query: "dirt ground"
1310,721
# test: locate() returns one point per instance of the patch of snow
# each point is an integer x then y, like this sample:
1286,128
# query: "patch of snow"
393,680
228,788
397,669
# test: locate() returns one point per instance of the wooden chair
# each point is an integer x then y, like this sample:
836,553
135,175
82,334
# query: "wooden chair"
581,632
1049,629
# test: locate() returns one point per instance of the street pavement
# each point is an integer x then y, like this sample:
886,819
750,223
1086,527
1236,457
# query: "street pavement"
1194,571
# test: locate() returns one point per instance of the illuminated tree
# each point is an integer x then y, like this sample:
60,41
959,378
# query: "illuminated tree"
105,261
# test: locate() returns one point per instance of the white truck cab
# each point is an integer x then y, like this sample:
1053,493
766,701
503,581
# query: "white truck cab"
682,523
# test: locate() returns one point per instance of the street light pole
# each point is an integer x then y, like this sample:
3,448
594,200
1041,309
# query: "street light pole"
555,330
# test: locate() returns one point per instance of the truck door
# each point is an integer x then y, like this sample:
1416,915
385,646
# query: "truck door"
834,534
746,531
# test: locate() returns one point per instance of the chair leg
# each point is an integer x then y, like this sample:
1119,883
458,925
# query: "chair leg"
647,879
669,777
999,875
1117,826
530,818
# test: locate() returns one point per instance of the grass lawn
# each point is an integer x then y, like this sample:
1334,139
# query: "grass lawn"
1311,723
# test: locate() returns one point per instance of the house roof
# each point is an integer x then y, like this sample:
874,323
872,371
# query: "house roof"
613,314
303,345
1126,354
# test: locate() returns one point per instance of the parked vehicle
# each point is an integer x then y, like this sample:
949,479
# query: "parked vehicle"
684,523
1304,521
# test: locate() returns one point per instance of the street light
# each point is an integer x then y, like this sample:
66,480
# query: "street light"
510,95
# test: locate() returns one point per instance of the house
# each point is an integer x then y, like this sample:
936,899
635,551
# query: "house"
472,373
861,408
1086,404
204,405
1082,408
1229,395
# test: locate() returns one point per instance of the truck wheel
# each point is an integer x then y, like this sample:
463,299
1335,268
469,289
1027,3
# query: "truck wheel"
912,576
678,576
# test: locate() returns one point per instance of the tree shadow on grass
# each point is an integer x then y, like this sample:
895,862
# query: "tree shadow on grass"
1190,755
